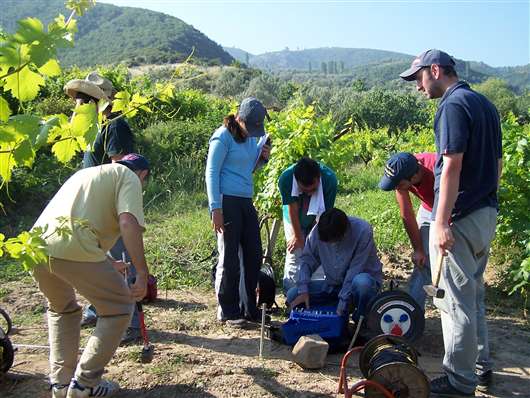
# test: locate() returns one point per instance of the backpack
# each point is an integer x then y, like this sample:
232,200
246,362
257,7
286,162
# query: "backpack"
266,290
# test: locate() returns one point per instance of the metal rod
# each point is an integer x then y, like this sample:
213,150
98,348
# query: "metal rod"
262,336
357,329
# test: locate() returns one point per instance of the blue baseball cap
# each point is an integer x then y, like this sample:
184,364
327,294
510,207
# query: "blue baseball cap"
134,161
253,113
425,59
401,166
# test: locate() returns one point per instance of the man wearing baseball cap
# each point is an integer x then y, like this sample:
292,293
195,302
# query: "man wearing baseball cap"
96,205
467,171
406,173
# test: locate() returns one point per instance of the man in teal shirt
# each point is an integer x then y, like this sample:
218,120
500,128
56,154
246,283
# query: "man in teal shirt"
308,188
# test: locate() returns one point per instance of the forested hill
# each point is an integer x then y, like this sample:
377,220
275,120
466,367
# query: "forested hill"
346,58
374,67
110,34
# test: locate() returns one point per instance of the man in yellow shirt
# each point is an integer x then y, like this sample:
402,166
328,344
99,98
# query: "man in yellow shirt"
97,205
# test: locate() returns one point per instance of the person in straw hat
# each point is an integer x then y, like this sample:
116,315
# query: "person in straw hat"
115,140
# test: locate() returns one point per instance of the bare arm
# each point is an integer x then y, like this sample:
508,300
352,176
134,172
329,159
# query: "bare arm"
411,226
449,184
131,233
297,242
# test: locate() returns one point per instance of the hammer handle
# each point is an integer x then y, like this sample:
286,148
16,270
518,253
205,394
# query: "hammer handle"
439,263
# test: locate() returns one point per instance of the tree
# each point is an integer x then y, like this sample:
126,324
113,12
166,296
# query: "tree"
498,92
324,68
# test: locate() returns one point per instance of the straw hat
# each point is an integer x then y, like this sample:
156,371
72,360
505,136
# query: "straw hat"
103,83
85,87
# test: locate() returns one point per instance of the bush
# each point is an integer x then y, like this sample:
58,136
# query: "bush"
514,201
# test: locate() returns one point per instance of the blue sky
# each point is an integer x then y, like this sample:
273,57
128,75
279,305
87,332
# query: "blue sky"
495,32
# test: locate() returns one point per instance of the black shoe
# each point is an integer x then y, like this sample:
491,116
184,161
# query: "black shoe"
440,387
484,379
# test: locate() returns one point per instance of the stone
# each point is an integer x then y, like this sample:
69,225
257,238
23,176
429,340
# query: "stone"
310,352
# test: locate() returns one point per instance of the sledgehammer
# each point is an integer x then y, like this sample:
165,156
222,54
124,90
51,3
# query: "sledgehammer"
433,290
148,349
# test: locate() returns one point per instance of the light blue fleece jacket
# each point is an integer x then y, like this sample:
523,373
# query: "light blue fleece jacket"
229,167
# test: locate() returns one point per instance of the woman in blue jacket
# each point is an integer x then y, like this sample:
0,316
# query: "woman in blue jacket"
235,150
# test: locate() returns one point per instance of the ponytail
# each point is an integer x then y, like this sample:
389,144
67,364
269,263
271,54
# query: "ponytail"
233,126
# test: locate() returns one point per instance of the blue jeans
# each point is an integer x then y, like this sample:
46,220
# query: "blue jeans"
116,252
364,288
421,276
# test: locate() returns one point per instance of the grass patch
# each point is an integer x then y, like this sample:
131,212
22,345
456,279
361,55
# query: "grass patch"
4,291
168,366
178,239
11,270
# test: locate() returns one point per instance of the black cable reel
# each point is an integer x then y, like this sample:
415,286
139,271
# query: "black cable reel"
395,312
7,352
393,363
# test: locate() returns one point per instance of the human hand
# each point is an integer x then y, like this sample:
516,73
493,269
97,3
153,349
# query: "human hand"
419,258
445,238
218,221
295,243
265,152
302,298
120,266
139,287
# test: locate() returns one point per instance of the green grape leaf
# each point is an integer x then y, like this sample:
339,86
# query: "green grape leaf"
62,33
8,135
29,31
50,68
165,91
24,85
29,248
65,149
24,154
84,123
80,6
26,126
13,56
121,101
41,53
5,111
44,131
6,164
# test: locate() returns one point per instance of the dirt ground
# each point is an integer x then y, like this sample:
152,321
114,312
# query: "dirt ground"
197,357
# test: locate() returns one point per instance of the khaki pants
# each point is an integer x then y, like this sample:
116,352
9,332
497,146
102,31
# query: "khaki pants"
104,288
463,311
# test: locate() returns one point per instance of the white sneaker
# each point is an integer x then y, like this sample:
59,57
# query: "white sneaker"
105,388
59,390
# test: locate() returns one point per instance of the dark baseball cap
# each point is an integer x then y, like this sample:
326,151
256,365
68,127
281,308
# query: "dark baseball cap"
134,162
425,59
401,166
253,113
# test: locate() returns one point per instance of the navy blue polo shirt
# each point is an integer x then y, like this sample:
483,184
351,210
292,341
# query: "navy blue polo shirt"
467,122
115,139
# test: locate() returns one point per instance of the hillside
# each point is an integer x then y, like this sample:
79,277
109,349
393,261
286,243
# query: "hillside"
110,34
374,67
301,59
240,55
